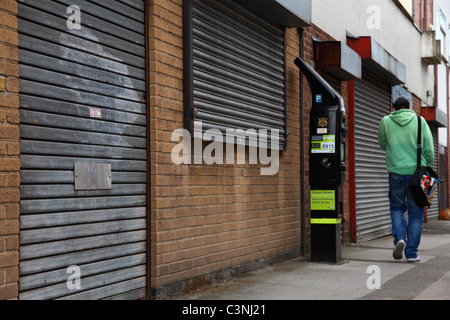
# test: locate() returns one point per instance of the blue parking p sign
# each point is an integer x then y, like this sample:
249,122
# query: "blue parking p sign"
318,98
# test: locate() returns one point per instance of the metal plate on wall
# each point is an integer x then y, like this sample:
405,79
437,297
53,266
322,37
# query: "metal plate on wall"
92,176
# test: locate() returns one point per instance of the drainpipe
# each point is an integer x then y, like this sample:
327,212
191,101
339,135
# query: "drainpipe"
302,151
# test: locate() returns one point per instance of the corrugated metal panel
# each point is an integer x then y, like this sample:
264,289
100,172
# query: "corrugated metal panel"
433,211
372,185
238,68
64,75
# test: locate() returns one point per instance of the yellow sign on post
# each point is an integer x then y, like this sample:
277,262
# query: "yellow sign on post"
323,200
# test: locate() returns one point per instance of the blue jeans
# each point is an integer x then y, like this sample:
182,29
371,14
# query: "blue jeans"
401,200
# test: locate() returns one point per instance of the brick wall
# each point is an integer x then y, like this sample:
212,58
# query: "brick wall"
9,151
206,219
427,15
418,13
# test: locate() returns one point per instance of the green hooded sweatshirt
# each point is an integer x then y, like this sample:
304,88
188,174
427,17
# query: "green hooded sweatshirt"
397,135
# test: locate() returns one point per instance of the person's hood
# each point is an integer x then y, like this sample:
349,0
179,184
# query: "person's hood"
403,117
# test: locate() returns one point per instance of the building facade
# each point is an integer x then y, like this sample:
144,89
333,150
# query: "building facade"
441,26
379,33
151,147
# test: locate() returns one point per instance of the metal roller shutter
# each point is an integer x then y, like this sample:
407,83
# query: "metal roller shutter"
82,100
238,62
372,185
433,211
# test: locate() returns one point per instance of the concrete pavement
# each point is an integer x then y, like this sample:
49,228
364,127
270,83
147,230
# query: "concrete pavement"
365,267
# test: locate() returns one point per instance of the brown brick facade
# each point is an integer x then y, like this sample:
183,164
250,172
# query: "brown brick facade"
427,15
9,151
207,222
206,219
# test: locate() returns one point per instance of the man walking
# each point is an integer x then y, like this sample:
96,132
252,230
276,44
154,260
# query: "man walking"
397,135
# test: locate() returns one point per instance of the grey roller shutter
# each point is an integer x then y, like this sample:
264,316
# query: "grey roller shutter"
82,100
372,186
433,211
238,68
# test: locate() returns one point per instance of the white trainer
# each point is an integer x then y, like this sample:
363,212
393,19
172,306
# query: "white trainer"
398,250
414,259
